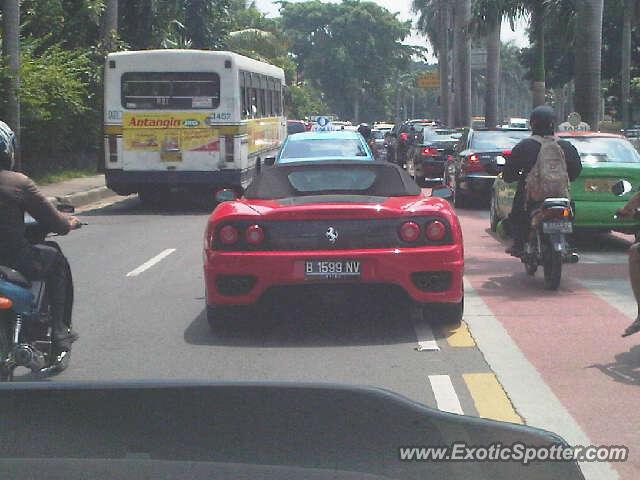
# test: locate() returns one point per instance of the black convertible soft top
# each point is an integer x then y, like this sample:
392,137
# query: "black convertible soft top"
379,179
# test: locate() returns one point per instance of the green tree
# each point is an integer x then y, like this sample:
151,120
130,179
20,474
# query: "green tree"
346,50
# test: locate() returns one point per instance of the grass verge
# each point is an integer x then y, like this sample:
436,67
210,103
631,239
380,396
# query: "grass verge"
62,175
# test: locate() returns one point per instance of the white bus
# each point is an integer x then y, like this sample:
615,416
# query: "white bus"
189,120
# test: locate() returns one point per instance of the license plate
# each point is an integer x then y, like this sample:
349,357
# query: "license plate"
331,269
557,227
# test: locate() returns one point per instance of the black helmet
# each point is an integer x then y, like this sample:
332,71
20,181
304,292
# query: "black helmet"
543,120
364,129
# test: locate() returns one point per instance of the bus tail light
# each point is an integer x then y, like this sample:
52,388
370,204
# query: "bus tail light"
229,151
113,148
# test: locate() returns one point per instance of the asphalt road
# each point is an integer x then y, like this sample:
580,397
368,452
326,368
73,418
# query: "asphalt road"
553,360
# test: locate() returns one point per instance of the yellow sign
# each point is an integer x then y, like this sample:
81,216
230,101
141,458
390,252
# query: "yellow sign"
428,80
264,134
170,133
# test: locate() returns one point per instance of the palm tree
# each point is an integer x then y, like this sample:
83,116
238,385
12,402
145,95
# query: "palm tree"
109,25
588,98
434,20
628,15
462,65
11,54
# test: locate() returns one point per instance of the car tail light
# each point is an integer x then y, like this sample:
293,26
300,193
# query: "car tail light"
472,163
430,152
506,153
228,235
409,232
229,150
254,235
435,231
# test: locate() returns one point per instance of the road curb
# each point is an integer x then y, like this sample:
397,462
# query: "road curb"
81,199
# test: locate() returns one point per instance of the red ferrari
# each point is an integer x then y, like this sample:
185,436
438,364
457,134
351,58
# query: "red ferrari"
318,223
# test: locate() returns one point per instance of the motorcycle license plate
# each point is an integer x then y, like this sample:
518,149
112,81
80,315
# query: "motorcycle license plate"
331,269
557,227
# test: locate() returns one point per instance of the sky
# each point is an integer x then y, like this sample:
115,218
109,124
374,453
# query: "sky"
403,7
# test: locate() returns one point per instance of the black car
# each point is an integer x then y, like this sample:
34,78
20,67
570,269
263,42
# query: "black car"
295,126
473,170
427,157
401,137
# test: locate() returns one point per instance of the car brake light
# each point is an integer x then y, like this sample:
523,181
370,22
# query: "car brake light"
472,163
409,232
506,153
254,235
435,231
228,235
430,152
5,303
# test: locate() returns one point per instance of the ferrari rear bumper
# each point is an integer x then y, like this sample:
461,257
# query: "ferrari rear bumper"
426,274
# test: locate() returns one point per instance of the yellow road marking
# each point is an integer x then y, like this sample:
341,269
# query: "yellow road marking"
459,336
489,397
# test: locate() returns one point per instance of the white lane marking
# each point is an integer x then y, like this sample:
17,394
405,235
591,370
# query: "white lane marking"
150,263
424,335
446,397
532,398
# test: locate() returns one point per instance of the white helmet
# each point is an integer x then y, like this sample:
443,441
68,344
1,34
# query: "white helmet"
7,146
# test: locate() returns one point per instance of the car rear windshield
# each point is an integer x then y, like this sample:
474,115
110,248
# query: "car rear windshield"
497,140
170,90
605,150
441,134
298,180
377,134
328,148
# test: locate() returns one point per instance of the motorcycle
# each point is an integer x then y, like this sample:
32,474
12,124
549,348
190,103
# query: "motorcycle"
547,244
25,320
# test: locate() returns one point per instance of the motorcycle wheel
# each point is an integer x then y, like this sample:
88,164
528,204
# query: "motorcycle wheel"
552,270
531,269
6,374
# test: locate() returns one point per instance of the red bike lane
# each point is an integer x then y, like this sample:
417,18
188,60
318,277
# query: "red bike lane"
572,337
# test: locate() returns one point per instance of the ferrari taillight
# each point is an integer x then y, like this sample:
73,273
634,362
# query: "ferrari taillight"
409,232
472,163
228,235
430,152
435,231
254,235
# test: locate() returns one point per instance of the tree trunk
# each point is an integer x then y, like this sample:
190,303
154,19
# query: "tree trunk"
493,74
109,25
538,87
625,81
462,85
356,108
11,54
587,71
398,97
443,61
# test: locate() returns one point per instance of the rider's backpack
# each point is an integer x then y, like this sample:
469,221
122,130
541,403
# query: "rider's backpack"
548,178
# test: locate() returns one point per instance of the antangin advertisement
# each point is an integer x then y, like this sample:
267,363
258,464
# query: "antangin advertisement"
170,133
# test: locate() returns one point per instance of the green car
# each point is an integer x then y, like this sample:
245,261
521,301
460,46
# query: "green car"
606,158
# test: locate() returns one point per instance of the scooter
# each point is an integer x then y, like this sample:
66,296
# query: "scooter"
25,319
547,244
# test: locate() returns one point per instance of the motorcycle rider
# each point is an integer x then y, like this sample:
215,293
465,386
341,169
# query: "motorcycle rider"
518,165
364,129
19,194
629,210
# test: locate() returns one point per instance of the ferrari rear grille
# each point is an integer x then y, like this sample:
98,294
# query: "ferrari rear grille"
432,281
235,285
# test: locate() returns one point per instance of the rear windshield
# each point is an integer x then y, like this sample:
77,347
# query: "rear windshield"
328,148
441,134
370,179
497,140
605,150
377,134
170,90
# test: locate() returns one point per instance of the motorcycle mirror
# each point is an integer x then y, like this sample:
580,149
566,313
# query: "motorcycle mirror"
226,195
621,188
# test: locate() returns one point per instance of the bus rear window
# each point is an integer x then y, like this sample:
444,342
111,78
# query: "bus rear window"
170,90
